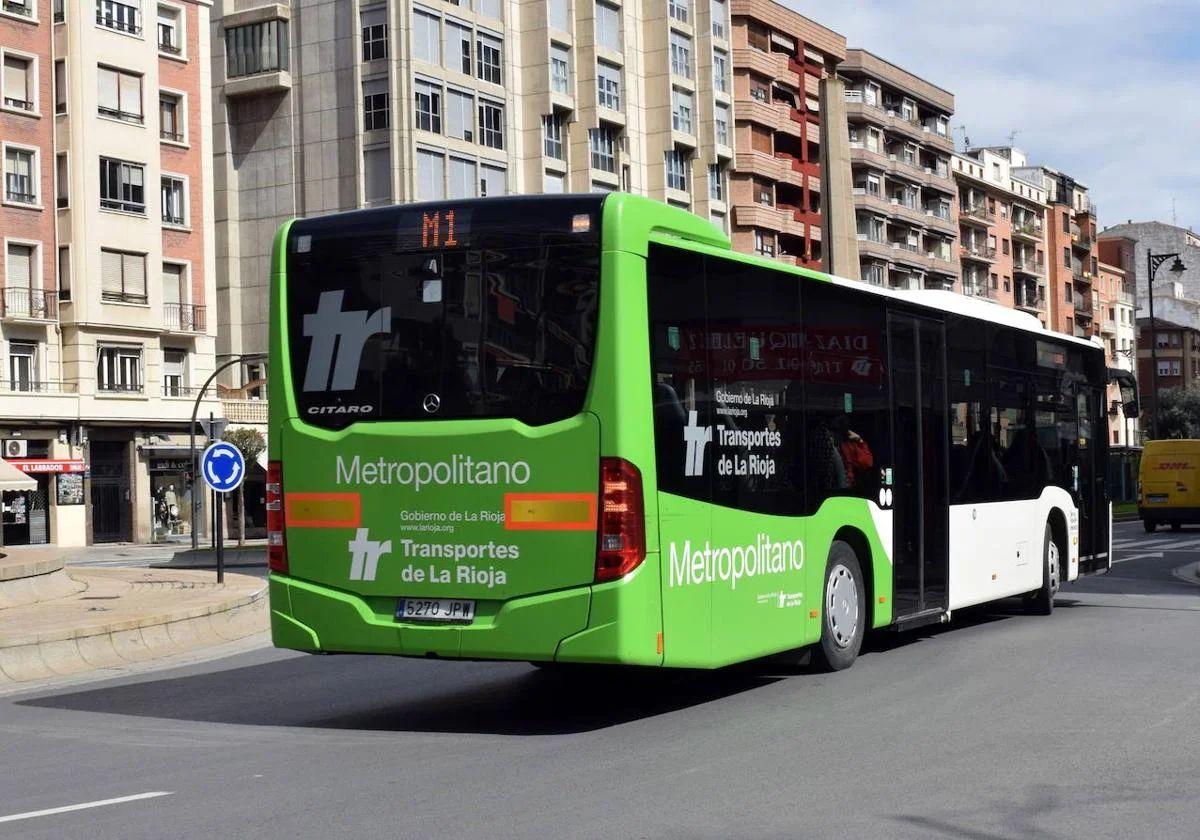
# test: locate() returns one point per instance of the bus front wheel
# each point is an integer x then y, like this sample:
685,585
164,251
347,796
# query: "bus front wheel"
1041,602
844,610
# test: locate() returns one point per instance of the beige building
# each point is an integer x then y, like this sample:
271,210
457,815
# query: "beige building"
107,270
904,190
328,106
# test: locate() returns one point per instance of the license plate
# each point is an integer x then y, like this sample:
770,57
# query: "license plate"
1157,499
434,609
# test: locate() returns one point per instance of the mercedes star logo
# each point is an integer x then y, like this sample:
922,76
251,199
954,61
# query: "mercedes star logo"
431,403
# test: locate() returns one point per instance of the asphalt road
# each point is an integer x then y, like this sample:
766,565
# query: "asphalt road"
1084,724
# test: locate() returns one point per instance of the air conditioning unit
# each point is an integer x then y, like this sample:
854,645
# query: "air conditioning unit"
14,448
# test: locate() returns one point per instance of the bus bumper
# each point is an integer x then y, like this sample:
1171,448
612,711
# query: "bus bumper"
1167,514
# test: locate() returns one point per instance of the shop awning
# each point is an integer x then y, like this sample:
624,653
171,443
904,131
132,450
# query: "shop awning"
12,478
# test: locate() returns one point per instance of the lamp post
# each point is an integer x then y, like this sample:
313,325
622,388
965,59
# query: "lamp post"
1153,261
196,482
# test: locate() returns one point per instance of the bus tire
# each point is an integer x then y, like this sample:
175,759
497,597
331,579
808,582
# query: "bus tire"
1175,526
1150,525
1041,602
843,610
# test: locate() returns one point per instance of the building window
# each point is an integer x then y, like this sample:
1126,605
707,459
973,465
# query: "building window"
608,86
20,271
22,366
764,244
608,26
488,8
173,201
119,16
553,183
681,54
177,315
60,87
61,181
23,8
716,182
678,9
681,111
375,104
552,132
174,368
720,71
487,58
122,186
377,176
170,117
64,272
1066,222
19,82
493,180
677,168
560,69
122,276
429,106
463,179
20,175
120,95
719,16
458,47
721,123
256,48
427,38
603,144
560,15
169,39
431,176
119,369
460,115
491,124
1066,257
59,11
374,33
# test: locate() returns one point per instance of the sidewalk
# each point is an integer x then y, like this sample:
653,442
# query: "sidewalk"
56,621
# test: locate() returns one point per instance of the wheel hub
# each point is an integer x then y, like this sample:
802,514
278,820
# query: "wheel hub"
841,605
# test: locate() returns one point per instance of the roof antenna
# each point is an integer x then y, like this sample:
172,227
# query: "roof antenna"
1012,136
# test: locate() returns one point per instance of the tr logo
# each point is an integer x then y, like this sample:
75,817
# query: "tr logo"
365,554
345,333
697,438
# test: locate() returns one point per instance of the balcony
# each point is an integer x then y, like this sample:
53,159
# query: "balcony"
978,289
1083,239
27,304
27,386
1027,300
1029,231
183,317
977,215
176,389
982,253
1083,278
1024,265
129,27
244,411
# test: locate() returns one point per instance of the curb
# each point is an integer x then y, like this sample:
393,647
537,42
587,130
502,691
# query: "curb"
16,569
76,649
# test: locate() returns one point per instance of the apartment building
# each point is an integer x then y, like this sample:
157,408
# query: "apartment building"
328,106
1001,224
783,66
106,282
1133,240
1116,319
904,189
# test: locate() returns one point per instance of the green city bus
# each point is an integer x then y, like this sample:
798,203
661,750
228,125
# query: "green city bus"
580,428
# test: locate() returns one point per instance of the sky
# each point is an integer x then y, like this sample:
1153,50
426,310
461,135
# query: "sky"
1107,92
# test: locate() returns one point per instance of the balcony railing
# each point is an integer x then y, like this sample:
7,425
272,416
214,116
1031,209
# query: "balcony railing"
1028,229
25,302
121,388
26,386
172,389
21,104
183,317
942,213
168,47
1032,266
138,207
982,252
123,116
163,134
979,211
982,290
122,297
23,9
119,25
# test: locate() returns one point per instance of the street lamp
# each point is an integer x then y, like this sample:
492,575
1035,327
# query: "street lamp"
1153,261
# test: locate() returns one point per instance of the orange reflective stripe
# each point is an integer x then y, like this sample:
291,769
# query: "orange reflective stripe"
549,511
322,510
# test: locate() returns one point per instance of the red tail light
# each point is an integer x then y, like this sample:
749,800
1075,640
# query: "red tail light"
621,537
277,560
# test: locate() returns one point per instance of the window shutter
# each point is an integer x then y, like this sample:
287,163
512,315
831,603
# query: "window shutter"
131,93
108,89
374,17
16,85
135,274
172,280
110,272
20,268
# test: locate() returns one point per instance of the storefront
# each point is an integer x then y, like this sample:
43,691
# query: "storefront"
27,513
170,498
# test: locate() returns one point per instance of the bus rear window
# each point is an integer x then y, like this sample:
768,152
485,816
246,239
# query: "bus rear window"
381,328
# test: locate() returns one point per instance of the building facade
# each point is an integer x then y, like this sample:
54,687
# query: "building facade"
329,106
1001,233
783,65
107,281
904,189
1136,239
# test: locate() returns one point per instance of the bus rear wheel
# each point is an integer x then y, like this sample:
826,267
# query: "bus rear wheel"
1041,602
843,610
1150,525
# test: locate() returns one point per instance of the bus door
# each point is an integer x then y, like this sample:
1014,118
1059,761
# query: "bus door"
1088,484
919,470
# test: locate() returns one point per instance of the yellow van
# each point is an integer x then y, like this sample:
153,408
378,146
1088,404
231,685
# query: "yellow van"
1169,483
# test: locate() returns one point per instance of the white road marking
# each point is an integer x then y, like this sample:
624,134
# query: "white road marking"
28,815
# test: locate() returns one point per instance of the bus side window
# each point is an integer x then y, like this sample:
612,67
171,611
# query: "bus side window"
972,451
847,420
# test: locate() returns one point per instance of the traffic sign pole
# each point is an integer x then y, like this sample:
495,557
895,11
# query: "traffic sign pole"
224,469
